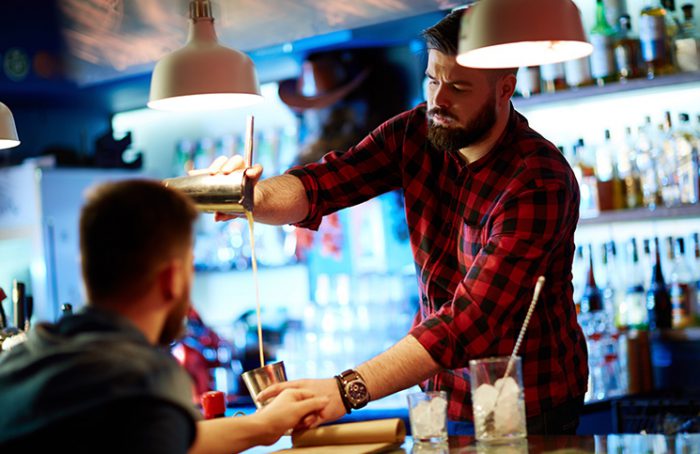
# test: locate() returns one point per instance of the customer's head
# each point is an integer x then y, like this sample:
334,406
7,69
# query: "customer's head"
463,103
135,238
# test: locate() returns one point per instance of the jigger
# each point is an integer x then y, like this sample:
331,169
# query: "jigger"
258,379
232,193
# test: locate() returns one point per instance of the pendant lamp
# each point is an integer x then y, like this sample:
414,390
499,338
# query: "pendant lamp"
8,132
203,75
516,33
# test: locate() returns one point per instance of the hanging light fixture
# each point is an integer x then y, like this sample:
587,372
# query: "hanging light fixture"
516,33
8,132
203,75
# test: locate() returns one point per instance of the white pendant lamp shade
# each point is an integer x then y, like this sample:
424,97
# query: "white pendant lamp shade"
203,75
8,132
516,33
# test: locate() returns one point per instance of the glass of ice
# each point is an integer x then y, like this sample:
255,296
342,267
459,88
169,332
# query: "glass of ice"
427,412
498,400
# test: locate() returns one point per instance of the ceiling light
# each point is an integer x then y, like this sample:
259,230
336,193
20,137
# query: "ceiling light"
8,132
203,75
516,33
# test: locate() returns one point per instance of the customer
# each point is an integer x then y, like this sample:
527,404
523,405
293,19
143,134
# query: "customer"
491,205
98,381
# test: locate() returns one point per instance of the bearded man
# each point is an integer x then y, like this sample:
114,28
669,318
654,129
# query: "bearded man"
491,205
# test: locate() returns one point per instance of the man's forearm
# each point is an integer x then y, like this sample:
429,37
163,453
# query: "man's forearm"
280,200
405,364
226,435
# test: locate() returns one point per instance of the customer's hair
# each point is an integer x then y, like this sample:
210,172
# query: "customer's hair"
444,38
127,230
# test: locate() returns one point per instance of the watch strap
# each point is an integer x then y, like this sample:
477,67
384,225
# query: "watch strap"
343,396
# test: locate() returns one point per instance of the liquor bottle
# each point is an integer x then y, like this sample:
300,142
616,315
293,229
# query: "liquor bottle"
584,169
628,53
578,73
633,313
553,78
3,317
658,297
611,291
528,81
647,157
696,266
654,39
18,303
579,276
592,299
610,196
687,42
629,171
688,161
682,288
602,37
613,10
668,164
66,309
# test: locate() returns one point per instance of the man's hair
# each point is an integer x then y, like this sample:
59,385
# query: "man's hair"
444,38
127,230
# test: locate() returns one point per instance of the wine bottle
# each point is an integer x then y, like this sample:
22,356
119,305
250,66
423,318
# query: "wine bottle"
592,299
658,297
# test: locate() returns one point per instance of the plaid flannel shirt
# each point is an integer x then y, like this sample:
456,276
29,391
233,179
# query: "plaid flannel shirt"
481,234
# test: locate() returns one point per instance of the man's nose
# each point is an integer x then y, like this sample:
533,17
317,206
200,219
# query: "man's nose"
440,96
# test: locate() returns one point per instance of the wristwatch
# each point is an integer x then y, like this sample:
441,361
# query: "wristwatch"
353,390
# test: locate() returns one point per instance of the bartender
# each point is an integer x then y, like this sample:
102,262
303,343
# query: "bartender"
491,205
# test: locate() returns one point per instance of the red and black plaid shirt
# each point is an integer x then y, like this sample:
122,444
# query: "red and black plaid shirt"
481,234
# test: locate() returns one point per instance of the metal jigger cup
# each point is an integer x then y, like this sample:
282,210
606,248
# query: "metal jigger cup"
258,379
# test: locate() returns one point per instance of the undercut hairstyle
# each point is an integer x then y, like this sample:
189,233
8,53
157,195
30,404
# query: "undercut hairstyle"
444,38
127,230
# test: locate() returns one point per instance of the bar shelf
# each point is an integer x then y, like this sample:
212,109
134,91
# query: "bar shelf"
614,88
643,214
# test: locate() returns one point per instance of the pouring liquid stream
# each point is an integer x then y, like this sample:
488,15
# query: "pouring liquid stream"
249,216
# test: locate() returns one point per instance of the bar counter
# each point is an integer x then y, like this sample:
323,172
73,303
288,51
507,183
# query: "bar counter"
617,444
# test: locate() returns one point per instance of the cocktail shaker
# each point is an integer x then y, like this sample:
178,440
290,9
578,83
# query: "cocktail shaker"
231,193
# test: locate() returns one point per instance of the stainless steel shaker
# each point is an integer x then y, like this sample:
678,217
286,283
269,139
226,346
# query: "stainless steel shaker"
232,193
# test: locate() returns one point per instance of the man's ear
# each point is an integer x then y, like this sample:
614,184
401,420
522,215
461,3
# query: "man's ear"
171,279
506,88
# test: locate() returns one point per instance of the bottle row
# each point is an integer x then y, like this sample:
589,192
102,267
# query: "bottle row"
666,43
642,288
656,165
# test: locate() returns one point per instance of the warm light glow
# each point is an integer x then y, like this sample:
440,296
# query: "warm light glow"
8,143
517,33
529,53
203,102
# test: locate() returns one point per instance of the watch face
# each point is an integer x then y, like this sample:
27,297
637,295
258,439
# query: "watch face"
357,392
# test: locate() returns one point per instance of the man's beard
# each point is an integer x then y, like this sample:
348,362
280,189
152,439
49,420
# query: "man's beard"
174,326
455,138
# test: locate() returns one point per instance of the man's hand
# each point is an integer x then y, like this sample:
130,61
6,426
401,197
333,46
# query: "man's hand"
327,387
291,409
223,165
